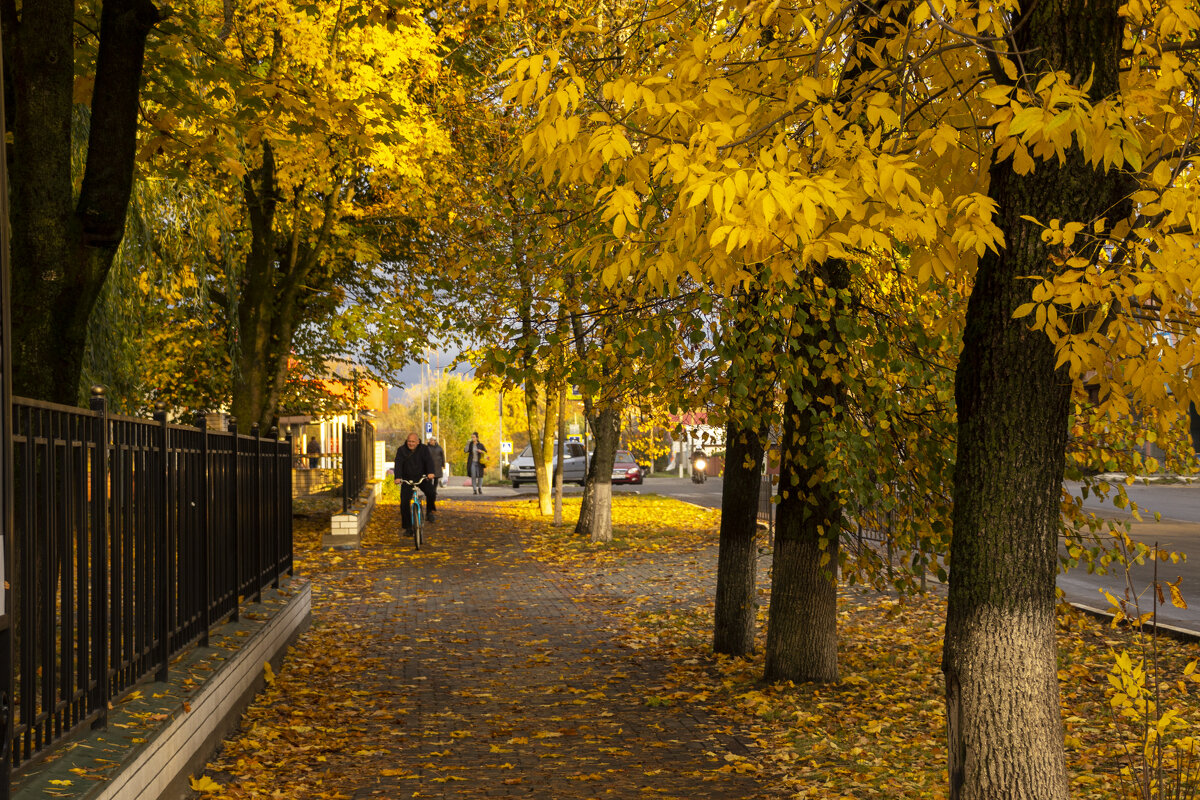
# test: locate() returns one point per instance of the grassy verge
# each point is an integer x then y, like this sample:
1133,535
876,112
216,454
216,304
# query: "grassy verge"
880,731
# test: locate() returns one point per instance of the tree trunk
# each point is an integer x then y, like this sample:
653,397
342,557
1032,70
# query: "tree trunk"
541,440
737,558
1194,427
587,503
62,254
596,523
560,455
256,302
540,418
802,620
275,280
999,659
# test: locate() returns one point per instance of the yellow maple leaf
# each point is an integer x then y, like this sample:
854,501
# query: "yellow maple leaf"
204,784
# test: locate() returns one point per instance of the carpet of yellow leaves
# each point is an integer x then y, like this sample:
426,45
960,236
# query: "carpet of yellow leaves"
878,733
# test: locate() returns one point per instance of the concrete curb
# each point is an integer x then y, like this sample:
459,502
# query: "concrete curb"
155,764
162,768
1181,634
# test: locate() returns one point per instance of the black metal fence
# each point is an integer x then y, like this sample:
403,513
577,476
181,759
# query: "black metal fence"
132,538
766,507
358,460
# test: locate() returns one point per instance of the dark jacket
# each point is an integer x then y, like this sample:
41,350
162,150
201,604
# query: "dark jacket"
439,459
412,465
474,451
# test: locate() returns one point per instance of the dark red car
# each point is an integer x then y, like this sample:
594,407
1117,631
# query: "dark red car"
626,469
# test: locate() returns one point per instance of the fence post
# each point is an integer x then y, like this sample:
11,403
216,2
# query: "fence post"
162,547
258,515
275,533
286,502
202,527
7,498
237,527
346,433
101,519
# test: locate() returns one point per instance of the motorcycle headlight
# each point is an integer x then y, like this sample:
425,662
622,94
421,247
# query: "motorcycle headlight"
701,463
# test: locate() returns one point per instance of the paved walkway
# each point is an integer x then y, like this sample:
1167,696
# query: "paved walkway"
499,676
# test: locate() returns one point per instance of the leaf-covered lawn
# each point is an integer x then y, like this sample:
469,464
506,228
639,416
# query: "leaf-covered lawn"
327,727
880,731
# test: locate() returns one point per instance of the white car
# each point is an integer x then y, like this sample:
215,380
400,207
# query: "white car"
574,466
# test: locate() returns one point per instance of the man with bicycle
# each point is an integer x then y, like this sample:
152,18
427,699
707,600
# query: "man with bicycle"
413,463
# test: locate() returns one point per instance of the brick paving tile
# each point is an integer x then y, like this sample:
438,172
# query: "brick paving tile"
502,677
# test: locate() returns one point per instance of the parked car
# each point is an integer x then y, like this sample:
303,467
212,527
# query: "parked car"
626,469
574,466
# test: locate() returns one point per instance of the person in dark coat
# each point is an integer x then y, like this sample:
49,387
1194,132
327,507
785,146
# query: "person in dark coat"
475,453
439,459
438,456
413,463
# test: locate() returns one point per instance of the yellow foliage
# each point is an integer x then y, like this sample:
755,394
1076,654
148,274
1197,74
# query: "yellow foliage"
753,146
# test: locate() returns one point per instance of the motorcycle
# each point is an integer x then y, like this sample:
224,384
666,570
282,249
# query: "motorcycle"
699,470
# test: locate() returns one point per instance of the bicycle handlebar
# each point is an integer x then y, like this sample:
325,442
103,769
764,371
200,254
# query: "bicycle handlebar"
412,483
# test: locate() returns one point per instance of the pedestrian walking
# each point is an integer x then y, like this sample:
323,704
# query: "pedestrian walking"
476,462
438,456
439,460
413,463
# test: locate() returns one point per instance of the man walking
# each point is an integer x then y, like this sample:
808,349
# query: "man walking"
439,460
413,463
438,457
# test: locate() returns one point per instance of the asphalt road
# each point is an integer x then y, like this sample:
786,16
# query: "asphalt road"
1178,530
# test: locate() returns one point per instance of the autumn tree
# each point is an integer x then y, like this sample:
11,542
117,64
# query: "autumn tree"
461,406
750,388
502,251
701,174
527,339
63,244
150,306
624,351
1088,151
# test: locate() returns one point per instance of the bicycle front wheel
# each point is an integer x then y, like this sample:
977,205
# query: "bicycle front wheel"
418,523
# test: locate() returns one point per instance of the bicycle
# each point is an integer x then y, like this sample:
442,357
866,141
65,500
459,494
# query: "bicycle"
416,510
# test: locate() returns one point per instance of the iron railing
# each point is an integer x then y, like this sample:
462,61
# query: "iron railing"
358,460
766,507
132,538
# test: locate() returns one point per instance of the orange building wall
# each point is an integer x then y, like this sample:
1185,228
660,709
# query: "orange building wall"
372,396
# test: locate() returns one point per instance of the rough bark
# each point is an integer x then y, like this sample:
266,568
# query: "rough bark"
999,659
596,523
541,407
541,440
736,604
802,620
277,274
254,307
560,455
62,252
